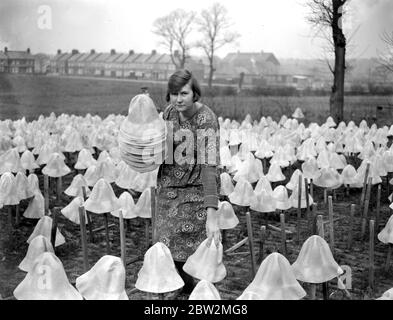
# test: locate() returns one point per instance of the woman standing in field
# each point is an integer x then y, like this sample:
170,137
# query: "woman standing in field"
187,183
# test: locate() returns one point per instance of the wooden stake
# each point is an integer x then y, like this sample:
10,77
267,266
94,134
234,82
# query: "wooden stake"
54,229
325,290
262,239
299,207
313,225
236,246
283,235
364,185
153,214
325,196
147,235
108,245
10,218
46,193
82,223
307,200
313,291
312,188
331,224
365,209
371,257
122,238
377,212
89,222
350,234
251,244
321,231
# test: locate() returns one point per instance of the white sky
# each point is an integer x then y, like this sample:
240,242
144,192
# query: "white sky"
277,26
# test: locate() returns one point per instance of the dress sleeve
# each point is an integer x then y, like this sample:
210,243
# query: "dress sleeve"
209,156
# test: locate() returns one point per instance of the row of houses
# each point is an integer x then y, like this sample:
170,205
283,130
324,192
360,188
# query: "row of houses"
16,61
152,66
238,68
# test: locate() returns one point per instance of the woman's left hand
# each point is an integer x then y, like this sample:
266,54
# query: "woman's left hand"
212,229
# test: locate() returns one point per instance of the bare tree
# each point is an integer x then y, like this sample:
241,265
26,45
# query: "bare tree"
174,30
214,25
328,14
386,57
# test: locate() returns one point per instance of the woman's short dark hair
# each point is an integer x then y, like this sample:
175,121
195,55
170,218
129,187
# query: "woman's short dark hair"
178,80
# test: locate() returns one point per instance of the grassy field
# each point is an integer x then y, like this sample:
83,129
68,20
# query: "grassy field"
31,96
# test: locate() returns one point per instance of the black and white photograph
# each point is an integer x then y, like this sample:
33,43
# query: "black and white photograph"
196,156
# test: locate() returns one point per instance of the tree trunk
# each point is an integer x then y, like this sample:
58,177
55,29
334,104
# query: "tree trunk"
211,71
337,95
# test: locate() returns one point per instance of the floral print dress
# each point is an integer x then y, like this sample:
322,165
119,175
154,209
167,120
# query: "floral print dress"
180,221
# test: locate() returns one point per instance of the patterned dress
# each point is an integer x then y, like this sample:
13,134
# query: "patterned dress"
181,213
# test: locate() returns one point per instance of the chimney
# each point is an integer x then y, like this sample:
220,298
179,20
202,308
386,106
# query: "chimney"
131,52
58,51
113,51
74,51
28,50
153,52
92,51
5,49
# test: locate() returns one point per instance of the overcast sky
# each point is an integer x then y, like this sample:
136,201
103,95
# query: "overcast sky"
277,26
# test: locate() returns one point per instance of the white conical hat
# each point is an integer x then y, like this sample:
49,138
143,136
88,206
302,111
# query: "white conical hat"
387,295
280,194
33,184
263,201
298,114
46,280
37,246
85,160
249,295
204,290
19,143
227,218
104,281
294,180
143,206
36,207
206,262
8,192
10,161
310,169
275,174
71,211
107,169
144,180
21,186
226,186
225,156
56,166
303,201
75,188
329,178
27,161
348,175
44,227
242,194
126,177
102,198
91,175
315,262
158,273
127,206
275,280
263,184
386,234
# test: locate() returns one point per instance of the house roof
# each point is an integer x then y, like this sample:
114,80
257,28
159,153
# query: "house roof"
19,55
155,58
102,57
113,57
142,58
122,57
64,57
75,57
92,56
131,58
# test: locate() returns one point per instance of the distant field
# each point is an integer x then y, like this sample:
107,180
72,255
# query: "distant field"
31,96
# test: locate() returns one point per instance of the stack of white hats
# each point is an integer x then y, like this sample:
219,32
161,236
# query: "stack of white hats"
142,135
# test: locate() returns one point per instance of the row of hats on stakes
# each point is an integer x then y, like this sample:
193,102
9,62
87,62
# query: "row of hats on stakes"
276,278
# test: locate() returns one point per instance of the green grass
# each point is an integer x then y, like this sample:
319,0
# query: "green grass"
30,96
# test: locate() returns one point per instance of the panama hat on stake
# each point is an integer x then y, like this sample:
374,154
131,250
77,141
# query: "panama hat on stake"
204,290
104,281
27,161
280,194
127,206
226,186
75,188
8,192
46,280
21,186
102,198
263,201
242,194
158,273
206,262
36,207
44,227
71,211
85,159
227,218
275,280
37,246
